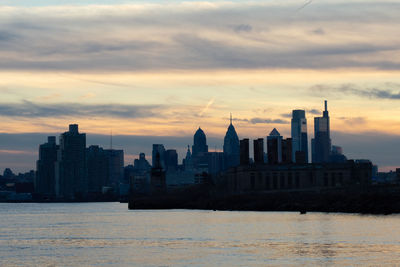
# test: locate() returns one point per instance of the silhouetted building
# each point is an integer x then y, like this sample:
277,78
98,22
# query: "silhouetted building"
244,152
297,177
187,161
45,182
274,147
321,144
8,174
231,147
158,148
71,168
115,160
171,160
300,157
299,134
97,164
215,162
287,151
258,151
158,179
336,155
141,164
199,149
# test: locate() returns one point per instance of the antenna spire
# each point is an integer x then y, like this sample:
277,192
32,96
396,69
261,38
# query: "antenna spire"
231,117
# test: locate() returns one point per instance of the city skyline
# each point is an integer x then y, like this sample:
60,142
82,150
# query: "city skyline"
179,146
162,70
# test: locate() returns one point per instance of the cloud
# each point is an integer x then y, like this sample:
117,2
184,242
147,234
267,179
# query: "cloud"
314,111
262,120
368,92
354,120
242,28
200,35
29,109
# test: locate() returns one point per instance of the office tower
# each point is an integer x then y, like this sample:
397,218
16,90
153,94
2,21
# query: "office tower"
97,165
299,136
141,164
258,150
158,180
45,176
231,147
244,152
287,151
71,168
158,148
187,161
171,160
215,162
274,147
115,165
321,144
199,143
199,149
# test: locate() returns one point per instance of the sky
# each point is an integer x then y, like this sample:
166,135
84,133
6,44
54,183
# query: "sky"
155,71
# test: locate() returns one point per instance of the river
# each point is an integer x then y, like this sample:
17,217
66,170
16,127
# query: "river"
108,234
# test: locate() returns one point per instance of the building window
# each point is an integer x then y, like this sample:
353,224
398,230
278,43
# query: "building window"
297,179
326,183
267,181
333,179
252,181
259,182
282,180
289,180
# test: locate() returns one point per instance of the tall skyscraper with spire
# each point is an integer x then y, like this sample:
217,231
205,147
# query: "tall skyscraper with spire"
299,136
321,144
231,147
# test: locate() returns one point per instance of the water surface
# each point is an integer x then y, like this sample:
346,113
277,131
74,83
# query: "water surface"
108,234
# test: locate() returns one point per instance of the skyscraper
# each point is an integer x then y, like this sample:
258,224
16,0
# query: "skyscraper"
258,150
115,161
158,148
321,144
274,147
45,176
97,169
71,168
231,147
199,143
244,152
299,135
171,160
199,149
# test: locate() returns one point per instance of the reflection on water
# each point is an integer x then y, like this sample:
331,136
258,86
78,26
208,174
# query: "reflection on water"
108,234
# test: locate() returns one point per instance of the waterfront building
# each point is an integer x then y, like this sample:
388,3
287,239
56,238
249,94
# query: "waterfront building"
274,147
45,180
71,167
299,136
244,152
321,144
158,180
297,177
258,150
231,147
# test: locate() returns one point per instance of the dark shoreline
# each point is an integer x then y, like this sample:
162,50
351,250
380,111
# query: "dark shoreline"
369,200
